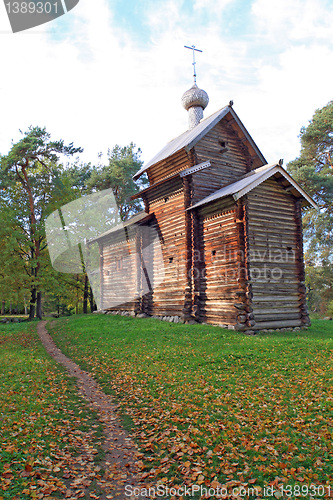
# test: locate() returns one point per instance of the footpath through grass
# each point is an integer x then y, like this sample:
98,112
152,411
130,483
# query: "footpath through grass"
47,435
213,407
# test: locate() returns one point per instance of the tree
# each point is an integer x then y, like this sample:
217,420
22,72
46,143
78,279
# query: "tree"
14,282
313,169
78,177
29,180
123,163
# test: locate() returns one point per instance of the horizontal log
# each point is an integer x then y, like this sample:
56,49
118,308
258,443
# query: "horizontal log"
275,317
282,306
293,309
167,167
270,217
277,324
263,297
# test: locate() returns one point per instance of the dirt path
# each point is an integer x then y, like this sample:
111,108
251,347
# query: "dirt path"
121,452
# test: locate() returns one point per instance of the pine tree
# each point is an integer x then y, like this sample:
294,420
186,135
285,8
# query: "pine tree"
313,169
123,163
29,181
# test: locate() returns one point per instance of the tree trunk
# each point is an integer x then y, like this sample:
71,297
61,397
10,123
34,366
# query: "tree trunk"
39,305
3,307
32,303
91,300
85,295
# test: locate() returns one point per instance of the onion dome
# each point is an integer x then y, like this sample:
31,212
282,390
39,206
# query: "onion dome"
195,97
195,101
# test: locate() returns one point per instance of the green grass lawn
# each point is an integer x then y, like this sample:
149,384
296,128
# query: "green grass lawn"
43,423
211,407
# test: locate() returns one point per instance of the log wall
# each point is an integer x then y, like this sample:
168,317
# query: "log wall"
119,273
229,160
273,236
168,297
165,168
216,265
232,263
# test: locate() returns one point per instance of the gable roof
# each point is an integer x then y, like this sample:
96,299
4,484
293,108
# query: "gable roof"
252,180
189,138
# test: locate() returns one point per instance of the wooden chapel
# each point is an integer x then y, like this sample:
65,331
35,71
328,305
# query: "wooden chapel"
229,227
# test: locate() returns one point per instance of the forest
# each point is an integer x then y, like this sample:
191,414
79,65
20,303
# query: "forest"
39,175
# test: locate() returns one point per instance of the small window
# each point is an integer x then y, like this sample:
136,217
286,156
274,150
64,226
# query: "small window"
170,260
119,264
166,199
213,253
224,147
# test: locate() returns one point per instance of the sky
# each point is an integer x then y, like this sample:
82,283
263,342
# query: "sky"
113,71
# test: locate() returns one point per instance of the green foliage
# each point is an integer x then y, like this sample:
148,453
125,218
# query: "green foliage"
330,308
14,281
31,187
214,407
33,150
123,163
319,281
33,184
317,139
77,177
314,171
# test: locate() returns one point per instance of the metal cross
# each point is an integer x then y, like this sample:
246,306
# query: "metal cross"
194,63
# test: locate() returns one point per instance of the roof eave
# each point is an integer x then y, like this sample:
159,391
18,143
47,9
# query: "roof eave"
137,219
141,193
307,200
306,196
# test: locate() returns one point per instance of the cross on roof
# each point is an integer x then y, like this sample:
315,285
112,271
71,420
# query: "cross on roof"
194,62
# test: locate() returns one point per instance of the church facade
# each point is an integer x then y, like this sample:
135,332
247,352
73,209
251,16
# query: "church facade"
229,228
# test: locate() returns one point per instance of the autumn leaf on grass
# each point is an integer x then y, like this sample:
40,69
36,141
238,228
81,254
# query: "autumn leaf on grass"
28,467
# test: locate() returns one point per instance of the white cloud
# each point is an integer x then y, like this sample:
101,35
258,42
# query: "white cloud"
291,20
296,80
94,84
286,98
215,9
